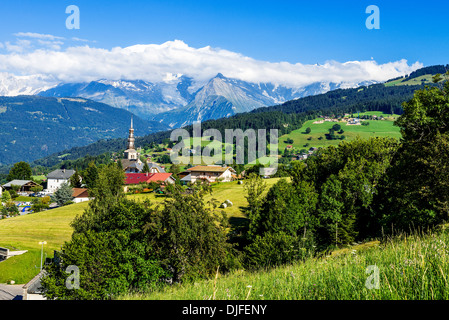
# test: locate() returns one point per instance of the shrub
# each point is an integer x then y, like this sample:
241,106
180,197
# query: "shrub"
274,249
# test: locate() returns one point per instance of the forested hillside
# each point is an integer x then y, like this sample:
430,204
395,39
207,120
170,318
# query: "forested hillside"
32,127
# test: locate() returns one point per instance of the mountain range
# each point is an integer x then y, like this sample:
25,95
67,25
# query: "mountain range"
180,100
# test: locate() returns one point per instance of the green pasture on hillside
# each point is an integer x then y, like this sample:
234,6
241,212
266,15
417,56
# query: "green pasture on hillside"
376,128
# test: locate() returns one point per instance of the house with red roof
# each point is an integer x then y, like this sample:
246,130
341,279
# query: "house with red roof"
80,195
163,178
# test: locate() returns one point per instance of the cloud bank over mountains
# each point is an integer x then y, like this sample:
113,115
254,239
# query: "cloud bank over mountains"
54,59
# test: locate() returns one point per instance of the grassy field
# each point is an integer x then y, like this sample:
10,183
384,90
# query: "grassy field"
25,232
376,128
220,192
406,268
424,79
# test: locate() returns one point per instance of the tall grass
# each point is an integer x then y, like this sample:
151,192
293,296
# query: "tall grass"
410,267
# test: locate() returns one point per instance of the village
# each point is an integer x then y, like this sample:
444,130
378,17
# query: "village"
140,177
145,171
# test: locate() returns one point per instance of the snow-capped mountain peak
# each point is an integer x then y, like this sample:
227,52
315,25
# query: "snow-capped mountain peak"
11,85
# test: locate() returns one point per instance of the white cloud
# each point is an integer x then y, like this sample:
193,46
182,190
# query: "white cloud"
152,62
37,36
21,45
82,40
28,41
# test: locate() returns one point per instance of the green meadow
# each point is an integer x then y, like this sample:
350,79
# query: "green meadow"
376,128
25,232
424,79
411,267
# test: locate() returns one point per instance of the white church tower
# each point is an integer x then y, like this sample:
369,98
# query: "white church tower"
130,152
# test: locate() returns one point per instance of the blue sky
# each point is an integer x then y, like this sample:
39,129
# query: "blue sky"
248,40
293,31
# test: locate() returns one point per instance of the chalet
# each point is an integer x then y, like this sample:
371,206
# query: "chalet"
155,168
25,185
58,177
80,195
183,174
210,173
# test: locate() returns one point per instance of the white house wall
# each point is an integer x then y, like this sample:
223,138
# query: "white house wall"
55,184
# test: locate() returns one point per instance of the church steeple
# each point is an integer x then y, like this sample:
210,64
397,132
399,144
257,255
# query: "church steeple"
132,162
131,136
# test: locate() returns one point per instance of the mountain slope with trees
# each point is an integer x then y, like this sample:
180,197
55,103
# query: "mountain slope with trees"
32,127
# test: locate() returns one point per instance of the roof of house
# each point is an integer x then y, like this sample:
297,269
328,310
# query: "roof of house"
131,163
155,165
187,178
136,178
80,193
209,169
60,174
161,176
19,183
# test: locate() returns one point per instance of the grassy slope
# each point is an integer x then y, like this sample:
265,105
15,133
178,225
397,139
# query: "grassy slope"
426,79
221,192
53,226
25,233
413,267
376,128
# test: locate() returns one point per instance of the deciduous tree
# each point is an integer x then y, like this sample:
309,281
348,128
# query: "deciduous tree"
20,171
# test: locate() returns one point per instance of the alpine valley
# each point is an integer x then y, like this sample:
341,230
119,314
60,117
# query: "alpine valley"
39,118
